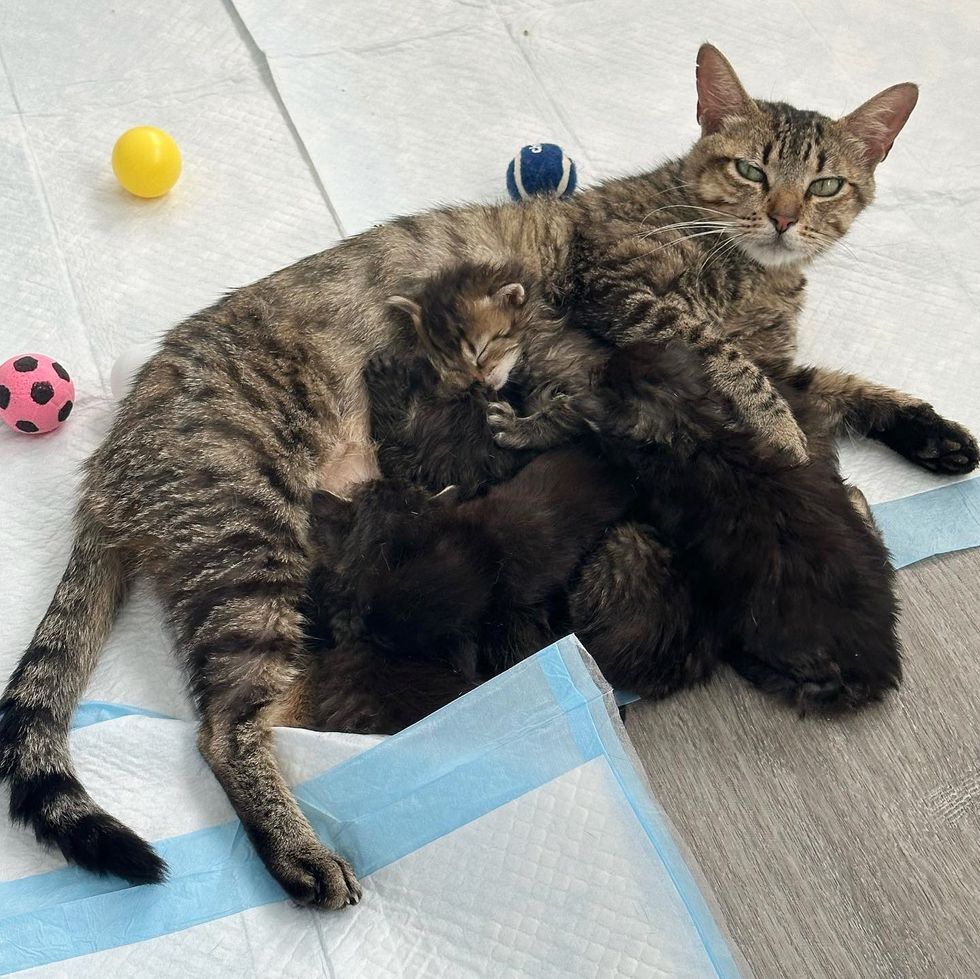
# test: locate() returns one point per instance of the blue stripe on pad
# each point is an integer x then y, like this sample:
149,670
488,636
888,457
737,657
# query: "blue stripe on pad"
511,735
96,711
935,522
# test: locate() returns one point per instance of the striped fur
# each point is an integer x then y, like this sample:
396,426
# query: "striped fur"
203,484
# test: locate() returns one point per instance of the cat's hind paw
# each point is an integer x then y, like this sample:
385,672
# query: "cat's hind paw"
822,686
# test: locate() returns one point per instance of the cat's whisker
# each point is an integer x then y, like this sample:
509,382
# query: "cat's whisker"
674,230
723,247
691,207
718,255
828,241
679,228
683,224
728,251
677,225
677,241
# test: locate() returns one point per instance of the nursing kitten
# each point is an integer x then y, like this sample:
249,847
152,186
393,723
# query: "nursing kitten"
779,572
406,576
471,320
484,331
429,406
203,484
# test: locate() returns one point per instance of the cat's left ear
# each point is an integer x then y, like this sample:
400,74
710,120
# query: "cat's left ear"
880,120
720,93
511,294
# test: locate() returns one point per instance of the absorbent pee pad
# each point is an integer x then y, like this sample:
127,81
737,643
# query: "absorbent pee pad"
510,834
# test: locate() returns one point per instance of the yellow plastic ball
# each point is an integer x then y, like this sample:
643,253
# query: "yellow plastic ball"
146,161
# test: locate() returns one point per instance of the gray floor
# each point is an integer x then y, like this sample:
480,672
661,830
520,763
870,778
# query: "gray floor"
841,848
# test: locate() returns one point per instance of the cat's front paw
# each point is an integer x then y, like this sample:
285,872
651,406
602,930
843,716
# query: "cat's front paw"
924,437
788,443
505,424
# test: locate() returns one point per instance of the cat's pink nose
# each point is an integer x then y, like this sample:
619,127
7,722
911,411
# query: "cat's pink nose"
783,222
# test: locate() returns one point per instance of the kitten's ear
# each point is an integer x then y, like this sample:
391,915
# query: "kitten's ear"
330,519
511,294
720,93
407,305
330,507
880,120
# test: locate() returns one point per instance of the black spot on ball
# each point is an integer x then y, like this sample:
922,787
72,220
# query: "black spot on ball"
60,371
41,392
4,396
65,411
24,365
27,426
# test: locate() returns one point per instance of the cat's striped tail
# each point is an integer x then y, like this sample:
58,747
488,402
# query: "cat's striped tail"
36,712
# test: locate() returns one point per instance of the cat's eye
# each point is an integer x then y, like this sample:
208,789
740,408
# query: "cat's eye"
825,186
750,172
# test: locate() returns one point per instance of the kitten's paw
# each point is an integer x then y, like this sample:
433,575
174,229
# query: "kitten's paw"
926,438
818,684
314,876
551,396
381,367
505,425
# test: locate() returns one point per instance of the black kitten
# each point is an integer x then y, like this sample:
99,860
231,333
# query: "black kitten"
469,587
431,435
773,570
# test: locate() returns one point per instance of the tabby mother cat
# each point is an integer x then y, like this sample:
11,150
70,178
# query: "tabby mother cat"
205,480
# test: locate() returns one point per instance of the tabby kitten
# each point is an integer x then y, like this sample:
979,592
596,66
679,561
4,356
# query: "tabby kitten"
471,320
485,332
204,481
429,408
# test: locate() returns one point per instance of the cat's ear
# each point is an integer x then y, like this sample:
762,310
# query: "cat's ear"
330,519
880,120
511,294
720,93
409,306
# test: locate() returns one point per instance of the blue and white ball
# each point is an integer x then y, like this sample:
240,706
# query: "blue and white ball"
541,168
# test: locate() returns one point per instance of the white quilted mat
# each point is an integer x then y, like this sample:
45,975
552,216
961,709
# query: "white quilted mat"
508,835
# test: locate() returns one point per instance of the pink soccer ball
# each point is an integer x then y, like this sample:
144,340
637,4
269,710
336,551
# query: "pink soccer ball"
36,393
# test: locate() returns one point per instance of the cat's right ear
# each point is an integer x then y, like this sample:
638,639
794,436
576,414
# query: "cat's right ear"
720,93
409,306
